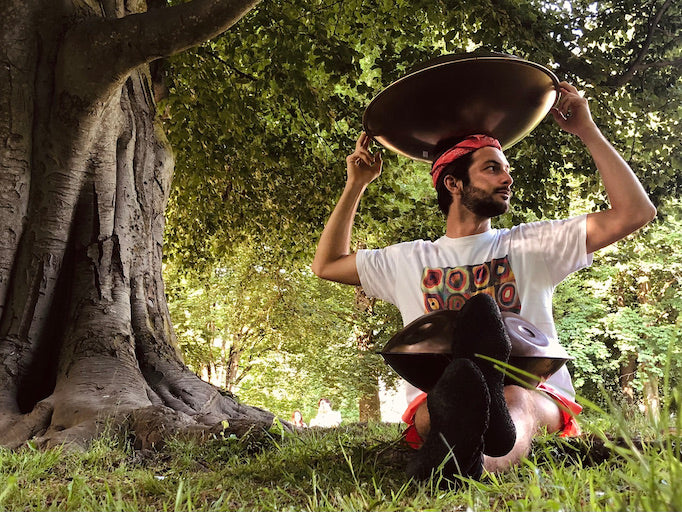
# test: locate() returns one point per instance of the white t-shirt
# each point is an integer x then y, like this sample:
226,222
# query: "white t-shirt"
520,267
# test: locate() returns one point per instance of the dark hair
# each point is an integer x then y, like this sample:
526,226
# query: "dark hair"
459,169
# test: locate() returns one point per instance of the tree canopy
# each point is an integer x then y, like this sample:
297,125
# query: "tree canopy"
262,118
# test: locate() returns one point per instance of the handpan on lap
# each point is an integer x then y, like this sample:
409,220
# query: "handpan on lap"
421,351
459,95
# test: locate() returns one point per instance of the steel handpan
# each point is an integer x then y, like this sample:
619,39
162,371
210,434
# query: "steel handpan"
420,352
532,351
458,95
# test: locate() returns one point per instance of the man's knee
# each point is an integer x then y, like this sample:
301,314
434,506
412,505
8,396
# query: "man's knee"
533,408
422,420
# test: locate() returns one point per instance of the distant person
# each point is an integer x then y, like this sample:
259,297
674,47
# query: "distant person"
297,419
326,417
478,271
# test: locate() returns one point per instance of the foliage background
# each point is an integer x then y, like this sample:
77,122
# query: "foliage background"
261,120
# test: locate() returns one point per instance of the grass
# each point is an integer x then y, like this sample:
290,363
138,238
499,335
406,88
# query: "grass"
355,467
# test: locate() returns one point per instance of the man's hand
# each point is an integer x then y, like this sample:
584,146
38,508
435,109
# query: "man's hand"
630,208
363,167
572,114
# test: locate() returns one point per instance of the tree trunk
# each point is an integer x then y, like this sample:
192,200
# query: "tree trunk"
652,402
232,366
370,406
85,173
627,375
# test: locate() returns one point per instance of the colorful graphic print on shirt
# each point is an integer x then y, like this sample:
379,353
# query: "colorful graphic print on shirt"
451,287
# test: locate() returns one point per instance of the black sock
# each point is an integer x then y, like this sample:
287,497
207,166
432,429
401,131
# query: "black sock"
458,410
480,330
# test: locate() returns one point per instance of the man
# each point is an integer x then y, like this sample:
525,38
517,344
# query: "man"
469,414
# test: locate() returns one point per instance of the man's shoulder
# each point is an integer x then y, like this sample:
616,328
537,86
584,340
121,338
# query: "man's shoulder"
402,250
418,246
417,243
544,235
409,245
540,225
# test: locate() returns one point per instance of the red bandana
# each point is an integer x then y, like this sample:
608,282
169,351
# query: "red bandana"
468,145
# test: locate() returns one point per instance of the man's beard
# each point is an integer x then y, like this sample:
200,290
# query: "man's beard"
482,203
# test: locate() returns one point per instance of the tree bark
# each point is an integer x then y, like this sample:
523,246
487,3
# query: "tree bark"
627,376
232,366
638,61
650,396
85,173
370,406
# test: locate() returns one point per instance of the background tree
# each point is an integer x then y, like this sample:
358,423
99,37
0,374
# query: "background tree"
85,174
263,116
621,318
296,335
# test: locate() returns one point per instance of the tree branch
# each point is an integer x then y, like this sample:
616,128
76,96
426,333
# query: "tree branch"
102,52
675,63
229,66
637,63
167,31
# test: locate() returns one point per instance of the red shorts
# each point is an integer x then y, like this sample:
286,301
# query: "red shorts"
567,408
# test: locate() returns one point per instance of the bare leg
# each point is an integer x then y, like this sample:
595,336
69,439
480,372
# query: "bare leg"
530,410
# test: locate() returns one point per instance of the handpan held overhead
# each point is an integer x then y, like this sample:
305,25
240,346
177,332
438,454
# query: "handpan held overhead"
454,96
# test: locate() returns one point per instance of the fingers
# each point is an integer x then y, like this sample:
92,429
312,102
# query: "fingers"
572,112
361,165
558,116
364,156
363,141
360,157
362,153
568,87
569,101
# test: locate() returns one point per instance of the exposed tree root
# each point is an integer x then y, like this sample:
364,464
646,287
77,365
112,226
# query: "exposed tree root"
16,428
147,427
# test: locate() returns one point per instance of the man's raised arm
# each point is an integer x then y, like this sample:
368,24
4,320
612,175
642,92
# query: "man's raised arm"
631,207
333,259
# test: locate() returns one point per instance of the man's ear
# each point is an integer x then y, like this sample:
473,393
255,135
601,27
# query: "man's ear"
452,184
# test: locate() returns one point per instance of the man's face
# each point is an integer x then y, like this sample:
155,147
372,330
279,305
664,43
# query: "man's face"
489,188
